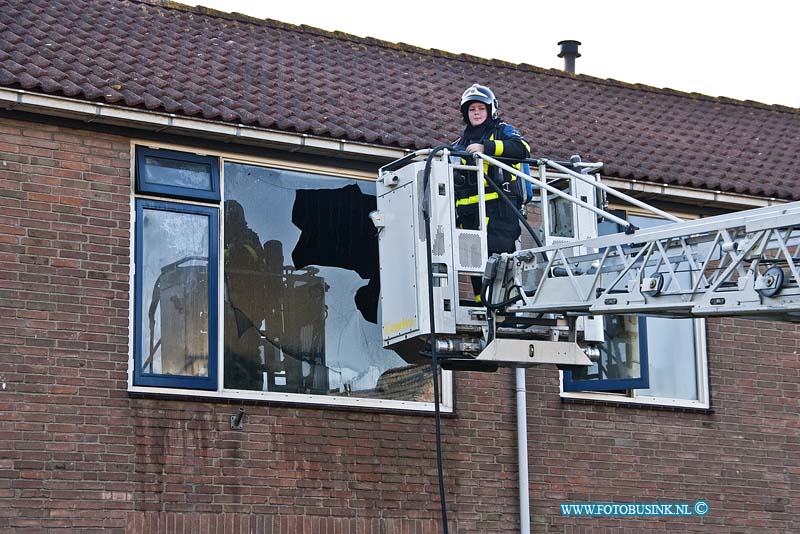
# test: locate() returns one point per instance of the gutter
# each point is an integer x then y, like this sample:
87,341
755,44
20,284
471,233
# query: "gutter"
98,112
688,195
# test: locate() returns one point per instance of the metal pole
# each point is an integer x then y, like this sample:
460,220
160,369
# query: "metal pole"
522,452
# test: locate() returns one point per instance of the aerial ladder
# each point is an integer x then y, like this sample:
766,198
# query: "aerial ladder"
544,304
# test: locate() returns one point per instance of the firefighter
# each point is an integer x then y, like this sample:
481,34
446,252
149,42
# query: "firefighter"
242,247
244,260
486,133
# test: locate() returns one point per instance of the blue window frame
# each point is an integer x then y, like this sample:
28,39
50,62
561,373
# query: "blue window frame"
665,350
623,362
176,295
177,174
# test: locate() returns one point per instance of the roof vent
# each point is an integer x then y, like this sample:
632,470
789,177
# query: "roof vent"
569,51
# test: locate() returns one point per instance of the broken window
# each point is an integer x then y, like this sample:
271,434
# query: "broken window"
269,291
301,288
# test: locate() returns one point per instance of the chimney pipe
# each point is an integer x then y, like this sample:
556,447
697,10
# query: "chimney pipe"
569,51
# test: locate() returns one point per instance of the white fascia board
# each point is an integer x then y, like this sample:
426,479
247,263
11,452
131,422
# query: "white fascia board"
17,99
697,196
322,144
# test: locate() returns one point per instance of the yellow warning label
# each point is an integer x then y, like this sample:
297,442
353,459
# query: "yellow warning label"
405,324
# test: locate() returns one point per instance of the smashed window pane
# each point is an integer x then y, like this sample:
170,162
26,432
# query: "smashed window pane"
301,289
174,273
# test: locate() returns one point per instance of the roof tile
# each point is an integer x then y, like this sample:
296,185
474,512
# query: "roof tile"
163,56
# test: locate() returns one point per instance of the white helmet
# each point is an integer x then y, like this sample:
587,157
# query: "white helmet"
479,93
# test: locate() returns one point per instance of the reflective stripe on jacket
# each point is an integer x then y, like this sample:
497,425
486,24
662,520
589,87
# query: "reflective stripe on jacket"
511,142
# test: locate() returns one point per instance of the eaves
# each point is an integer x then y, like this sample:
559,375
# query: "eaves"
97,112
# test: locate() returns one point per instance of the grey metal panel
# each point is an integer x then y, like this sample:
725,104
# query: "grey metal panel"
442,223
470,256
397,247
528,352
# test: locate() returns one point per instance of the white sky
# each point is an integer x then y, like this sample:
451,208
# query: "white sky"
748,50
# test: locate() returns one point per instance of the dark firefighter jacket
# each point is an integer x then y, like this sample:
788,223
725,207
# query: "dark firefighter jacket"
500,140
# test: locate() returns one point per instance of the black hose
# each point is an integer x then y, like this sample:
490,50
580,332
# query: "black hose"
486,298
525,223
432,338
502,195
505,198
434,360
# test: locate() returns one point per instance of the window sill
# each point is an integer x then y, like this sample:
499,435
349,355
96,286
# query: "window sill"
294,399
637,402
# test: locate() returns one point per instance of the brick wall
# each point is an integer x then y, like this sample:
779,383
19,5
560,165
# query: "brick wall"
64,264
741,457
78,453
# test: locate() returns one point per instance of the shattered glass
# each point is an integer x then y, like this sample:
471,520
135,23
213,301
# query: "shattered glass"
301,289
